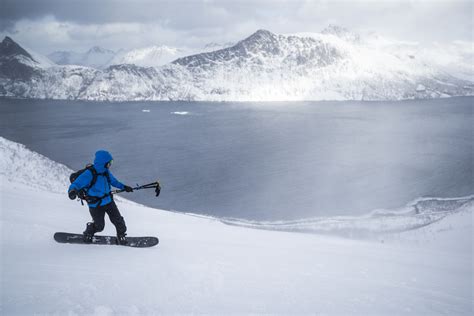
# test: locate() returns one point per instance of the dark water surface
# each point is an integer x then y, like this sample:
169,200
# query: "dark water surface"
262,161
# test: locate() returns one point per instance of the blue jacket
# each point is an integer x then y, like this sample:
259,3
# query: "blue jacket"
101,187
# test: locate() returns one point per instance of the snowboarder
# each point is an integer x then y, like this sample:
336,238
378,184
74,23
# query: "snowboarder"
93,185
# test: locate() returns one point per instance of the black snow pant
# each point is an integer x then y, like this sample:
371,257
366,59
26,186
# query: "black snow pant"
98,215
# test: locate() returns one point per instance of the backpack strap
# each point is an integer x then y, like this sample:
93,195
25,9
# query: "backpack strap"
107,175
94,177
96,199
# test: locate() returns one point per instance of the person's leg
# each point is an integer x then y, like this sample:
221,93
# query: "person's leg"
98,222
116,218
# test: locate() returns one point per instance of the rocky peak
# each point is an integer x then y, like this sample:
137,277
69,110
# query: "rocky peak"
260,42
259,37
262,46
9,48
15,62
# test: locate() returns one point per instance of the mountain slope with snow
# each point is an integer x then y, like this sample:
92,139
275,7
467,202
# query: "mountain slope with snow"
96,57
332,65
204,266
213,46
153,56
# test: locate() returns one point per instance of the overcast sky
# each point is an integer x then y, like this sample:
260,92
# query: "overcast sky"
49,25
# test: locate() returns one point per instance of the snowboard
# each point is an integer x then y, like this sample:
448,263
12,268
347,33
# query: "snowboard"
138,242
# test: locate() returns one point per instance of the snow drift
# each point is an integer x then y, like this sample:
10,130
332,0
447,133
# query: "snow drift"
204,266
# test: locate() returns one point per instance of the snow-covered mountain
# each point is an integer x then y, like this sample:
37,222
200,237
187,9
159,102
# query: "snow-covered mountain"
19,65
13,55
153,56
15,62
209,47
96,57
203,266
335,64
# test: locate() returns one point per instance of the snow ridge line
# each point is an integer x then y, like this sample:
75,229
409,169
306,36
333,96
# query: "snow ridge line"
419,213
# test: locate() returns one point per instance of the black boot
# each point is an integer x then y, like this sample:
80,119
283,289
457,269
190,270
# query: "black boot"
89,233
122,239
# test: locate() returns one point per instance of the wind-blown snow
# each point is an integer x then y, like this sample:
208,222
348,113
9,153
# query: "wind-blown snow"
204,266
153,56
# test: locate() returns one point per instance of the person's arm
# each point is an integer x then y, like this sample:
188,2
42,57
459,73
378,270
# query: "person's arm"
81,182
116,183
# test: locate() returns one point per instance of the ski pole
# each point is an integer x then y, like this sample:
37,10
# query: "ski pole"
153,185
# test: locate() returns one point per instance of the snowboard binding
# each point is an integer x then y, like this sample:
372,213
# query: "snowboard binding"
122,239
88,233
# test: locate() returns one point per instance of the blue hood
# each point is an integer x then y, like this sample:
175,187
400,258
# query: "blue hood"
102,157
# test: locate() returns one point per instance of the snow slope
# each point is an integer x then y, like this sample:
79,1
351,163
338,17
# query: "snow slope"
204,266
153,56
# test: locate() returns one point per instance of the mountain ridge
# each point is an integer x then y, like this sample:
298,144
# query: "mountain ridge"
8,47
95,57
335,64
151,56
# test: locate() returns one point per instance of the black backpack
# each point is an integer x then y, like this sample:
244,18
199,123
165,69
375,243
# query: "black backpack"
91,168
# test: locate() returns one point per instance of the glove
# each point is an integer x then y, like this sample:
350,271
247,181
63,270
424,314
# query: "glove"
127,188
82,194
72,194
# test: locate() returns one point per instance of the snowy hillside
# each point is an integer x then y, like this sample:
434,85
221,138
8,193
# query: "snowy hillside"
153,56
213,46
332,65
204,266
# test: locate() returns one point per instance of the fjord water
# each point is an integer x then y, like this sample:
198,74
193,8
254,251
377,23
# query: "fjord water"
263,161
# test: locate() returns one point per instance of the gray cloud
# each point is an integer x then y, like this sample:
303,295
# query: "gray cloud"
175,14
123,23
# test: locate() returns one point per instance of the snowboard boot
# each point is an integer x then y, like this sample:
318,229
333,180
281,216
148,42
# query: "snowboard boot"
88,233
122,239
